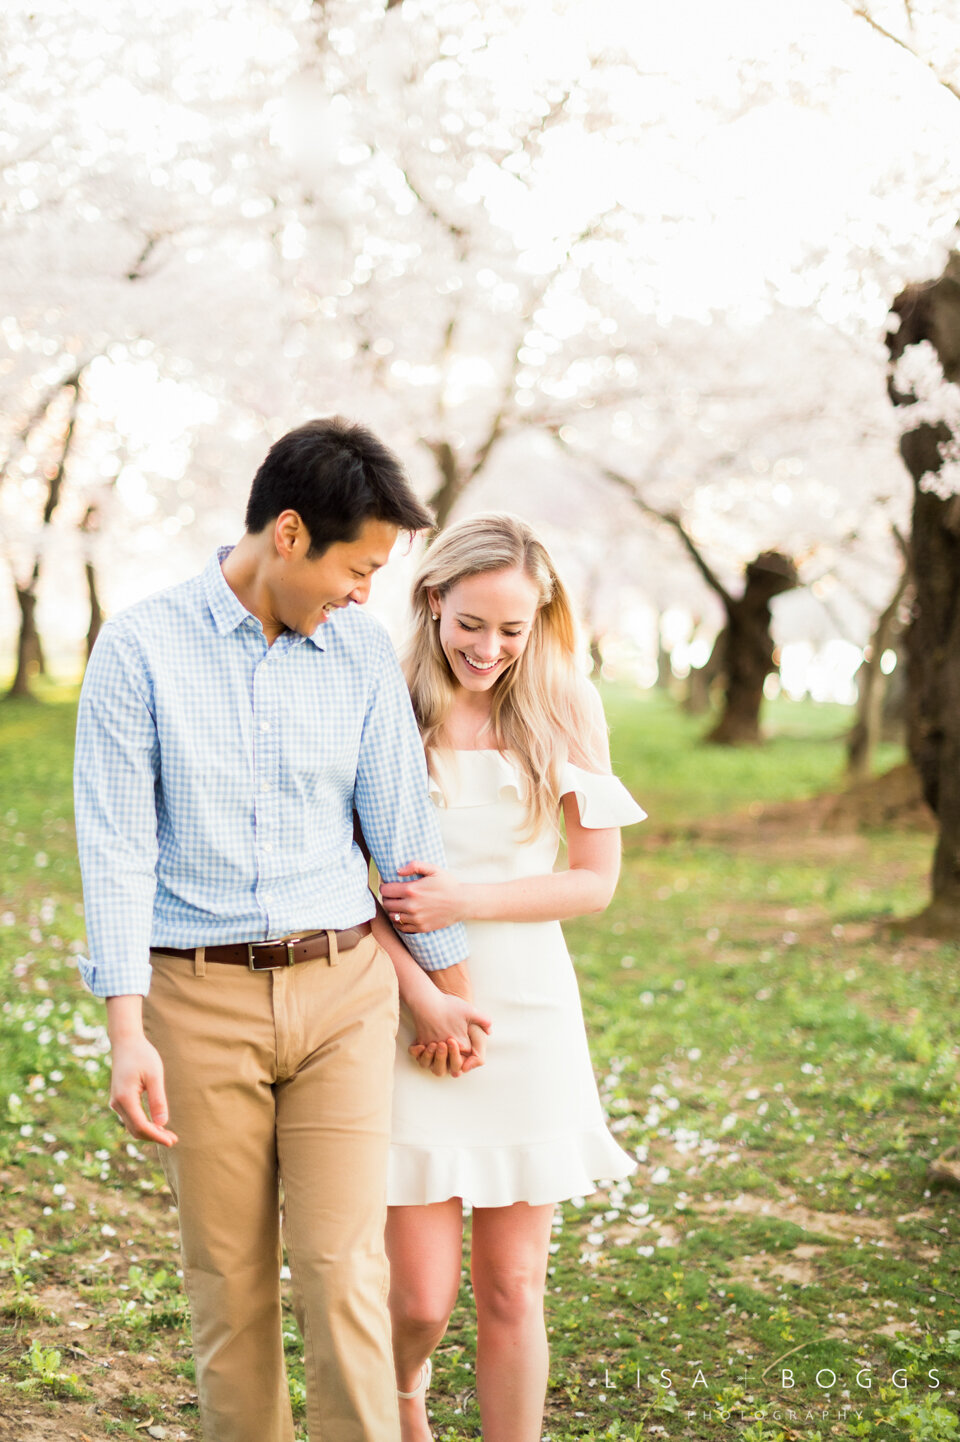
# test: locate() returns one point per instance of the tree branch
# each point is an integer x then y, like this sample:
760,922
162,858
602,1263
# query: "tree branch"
862,13
56,480
669,518
136,272
37,415
455,231
902,541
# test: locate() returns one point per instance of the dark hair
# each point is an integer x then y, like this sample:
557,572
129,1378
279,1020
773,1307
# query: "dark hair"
335,474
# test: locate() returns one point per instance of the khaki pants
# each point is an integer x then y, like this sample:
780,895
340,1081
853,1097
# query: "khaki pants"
282,1077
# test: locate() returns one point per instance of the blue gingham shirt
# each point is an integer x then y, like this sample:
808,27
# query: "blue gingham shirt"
216,780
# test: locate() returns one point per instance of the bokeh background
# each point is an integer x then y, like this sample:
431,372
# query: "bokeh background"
668,236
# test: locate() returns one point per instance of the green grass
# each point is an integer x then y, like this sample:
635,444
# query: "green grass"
784,1064
658,746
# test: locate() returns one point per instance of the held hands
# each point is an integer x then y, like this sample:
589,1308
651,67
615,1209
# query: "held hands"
137,1068
451,1033
432,901
443,1056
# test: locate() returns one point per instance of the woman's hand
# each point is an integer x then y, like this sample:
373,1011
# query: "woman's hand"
427,904
444,1057
443,1023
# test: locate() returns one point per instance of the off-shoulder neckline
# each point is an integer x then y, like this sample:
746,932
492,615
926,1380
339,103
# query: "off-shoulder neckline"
495,751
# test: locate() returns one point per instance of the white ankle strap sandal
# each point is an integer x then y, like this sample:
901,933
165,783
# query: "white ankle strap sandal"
426,1372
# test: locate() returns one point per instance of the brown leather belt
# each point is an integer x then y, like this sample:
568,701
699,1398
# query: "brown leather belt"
272,955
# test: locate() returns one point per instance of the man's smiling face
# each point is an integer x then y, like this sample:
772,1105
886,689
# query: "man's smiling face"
306,591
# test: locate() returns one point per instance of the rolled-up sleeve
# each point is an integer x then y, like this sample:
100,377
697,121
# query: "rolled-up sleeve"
393,803
116,768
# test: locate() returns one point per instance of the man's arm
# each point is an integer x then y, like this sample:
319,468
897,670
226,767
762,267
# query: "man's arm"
115,773
455,1032
116,766
392,798
441,1004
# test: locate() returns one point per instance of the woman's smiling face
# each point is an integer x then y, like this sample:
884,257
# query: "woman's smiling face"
485,623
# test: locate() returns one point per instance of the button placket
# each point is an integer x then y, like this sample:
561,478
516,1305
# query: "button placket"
266,787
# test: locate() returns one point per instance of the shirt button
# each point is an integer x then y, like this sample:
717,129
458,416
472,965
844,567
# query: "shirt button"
264,725
267,900
264,785
267,846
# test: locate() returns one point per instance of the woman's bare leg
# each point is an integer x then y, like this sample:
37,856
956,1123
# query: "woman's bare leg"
510,1248
424,1245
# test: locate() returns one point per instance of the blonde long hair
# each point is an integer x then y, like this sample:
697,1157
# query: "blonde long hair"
543,710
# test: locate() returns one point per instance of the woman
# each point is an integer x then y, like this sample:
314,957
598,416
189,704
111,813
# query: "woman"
513,735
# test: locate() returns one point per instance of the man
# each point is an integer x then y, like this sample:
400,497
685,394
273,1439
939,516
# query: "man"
228,729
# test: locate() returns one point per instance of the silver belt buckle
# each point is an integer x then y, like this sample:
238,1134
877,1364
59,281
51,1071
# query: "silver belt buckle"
290,961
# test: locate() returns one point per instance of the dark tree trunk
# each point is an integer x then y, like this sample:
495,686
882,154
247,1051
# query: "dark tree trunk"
29,650
456,475
96,612
872,687
931,312
933,697
30,658
750,648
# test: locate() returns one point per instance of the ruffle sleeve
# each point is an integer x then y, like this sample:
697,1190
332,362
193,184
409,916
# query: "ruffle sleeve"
602,800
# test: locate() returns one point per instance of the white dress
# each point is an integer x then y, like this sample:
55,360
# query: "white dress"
528,1125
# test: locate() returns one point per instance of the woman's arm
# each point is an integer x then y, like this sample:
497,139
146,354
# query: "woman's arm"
441,1005
450,1035
588,884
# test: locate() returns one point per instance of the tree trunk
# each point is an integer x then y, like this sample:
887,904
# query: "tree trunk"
750,649
29,650
739,725
445,496
933,702
456,476
862,737
96,612
931,313
872,688
30,657
702,678
895,694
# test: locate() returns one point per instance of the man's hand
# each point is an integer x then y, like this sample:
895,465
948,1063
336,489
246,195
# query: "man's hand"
440,1056
432,901
453,1023
137,1068
461,1047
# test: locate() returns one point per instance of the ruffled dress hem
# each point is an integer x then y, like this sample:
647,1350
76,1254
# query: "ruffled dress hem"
498,1176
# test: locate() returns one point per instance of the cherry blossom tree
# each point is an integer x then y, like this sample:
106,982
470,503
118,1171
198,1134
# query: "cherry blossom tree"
924,385
923,341
475,225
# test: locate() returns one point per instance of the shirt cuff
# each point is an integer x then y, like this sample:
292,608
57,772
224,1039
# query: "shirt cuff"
436,950
97,979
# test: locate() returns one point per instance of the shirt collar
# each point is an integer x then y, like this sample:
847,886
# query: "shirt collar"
227,609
